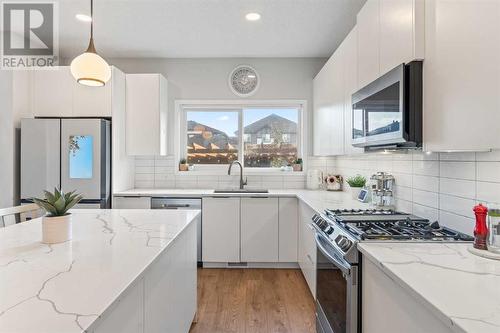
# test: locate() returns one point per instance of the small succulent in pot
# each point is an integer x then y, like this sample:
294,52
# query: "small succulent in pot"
297,165
58,203
183,166
356,181
57,224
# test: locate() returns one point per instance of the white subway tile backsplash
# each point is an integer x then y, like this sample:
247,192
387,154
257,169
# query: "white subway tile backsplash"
145,176
145,163
425,183
403,193
493,156
489,192
456,205
425,156
465,156
488,171
457,187
458,170
424,198
401,166
144,184
457,222
144,169
426,168
426,212
403,179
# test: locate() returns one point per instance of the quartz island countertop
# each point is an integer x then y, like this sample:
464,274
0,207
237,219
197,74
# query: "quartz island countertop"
462,289
66,287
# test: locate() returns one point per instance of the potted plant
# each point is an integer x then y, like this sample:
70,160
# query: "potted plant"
356,183
183,166
56,224
297,166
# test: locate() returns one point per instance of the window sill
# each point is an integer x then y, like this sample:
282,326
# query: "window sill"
236,172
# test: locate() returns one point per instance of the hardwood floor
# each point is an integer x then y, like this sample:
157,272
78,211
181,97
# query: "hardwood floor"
253,301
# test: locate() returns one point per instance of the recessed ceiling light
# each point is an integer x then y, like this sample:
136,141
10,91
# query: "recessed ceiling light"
83,18
252,16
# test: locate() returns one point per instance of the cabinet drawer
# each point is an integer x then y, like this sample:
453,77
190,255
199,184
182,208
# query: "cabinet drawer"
132,203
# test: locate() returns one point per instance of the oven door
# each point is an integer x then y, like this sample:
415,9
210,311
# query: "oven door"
336,290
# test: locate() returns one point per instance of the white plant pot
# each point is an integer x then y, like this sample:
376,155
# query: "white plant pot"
56,229
355,192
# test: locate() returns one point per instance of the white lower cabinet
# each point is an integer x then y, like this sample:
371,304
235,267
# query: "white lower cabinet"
132,203
307,246
381,296
288,229
221,229
259,229
164,299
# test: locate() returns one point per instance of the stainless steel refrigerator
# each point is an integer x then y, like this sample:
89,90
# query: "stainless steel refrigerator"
72,154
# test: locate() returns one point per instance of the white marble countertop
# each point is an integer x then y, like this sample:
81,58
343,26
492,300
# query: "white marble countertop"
318,200
463,290
64,288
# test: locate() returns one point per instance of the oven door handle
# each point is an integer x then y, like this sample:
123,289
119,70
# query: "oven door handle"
346,269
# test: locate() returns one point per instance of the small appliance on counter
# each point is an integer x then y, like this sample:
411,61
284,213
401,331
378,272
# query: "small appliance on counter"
314,179
337,232
382,190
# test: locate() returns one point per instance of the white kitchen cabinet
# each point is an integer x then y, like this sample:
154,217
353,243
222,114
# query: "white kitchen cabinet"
407,314
288,229
462,75
53,92
131,202
307,246
328,109
221,229
401,32
92,101
368,30
350,66
259,229
390,32
127,315
146,114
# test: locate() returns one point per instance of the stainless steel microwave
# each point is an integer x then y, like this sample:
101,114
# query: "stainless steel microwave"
387,113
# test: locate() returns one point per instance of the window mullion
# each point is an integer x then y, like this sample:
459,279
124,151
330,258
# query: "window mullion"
241,154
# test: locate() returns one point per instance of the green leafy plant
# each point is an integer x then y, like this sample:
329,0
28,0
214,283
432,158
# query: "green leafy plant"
58,203
183,161
356,181
298,161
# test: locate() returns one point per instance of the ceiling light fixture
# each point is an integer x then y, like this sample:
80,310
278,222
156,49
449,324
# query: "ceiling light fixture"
252,16
89,68
83,18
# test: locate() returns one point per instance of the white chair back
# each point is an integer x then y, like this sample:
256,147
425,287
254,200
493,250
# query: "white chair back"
18,214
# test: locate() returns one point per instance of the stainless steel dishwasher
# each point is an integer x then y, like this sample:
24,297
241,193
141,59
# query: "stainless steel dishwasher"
181,204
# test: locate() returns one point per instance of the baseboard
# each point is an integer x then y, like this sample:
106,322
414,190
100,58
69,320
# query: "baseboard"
274,265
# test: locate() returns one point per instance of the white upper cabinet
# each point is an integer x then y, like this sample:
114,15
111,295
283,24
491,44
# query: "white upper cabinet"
328,110
350,47
146,114
53,92
462,75
57,94
368,28
401,32
390,32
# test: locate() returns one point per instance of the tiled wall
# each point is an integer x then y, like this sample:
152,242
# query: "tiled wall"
442,186
159,172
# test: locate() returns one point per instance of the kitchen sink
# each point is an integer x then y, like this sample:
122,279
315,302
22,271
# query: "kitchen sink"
241,191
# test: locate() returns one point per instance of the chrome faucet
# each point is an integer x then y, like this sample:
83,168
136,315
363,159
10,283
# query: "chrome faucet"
242,183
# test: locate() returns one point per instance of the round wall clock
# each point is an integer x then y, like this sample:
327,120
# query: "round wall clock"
244,80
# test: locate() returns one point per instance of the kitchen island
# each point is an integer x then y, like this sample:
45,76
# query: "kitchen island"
123,271
429,287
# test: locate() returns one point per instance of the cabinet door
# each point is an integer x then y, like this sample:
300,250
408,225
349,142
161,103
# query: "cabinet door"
146,114
132,202
288,229
221,229
462,75
92,101
368,43
350,46
53,92
259,229
397,43
307,247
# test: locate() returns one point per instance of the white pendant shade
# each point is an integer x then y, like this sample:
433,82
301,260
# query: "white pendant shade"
90,69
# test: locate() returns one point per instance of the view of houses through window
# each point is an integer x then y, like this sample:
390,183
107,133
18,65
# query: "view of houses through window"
269,137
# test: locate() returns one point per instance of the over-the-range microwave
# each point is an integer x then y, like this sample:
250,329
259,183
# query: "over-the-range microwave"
387,113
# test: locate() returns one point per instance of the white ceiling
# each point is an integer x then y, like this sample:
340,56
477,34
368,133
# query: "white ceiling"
208,28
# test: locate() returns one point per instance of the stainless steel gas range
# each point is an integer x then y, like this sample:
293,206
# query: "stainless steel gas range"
338,285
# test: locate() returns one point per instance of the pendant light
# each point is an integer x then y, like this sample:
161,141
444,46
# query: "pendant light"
89,68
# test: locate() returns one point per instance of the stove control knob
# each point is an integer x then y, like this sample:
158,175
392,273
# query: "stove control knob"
343,243
329,230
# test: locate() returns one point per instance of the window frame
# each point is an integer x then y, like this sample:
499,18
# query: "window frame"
184,106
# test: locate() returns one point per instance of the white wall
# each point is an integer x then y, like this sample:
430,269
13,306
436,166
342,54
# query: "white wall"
7,141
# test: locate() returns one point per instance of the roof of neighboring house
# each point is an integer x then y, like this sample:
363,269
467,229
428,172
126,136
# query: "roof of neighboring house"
272,121
206,137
